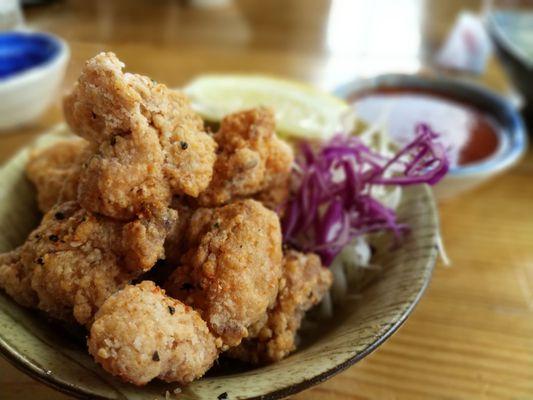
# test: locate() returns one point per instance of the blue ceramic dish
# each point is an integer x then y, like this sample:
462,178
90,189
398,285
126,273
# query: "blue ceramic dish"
21,51
460,177
32,66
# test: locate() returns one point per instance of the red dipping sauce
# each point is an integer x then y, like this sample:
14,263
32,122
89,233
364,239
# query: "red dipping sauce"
470,135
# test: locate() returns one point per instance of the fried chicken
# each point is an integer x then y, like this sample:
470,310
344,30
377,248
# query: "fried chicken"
151,144
55,171
126,195
140,333
75,260
230,273
303,284
251,158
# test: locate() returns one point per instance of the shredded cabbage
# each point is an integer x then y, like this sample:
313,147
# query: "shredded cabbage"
333,199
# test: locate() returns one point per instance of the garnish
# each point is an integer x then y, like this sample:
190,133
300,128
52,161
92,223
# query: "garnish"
333,201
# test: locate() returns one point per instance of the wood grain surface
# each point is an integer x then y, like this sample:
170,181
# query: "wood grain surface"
471,337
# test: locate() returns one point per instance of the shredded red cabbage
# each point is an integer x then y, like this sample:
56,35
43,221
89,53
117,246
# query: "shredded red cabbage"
332,203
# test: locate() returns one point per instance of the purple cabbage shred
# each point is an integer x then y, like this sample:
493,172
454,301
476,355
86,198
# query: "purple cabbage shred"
332,203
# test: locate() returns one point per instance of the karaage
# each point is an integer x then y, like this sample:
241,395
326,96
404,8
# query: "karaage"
151,144
139,334
230,273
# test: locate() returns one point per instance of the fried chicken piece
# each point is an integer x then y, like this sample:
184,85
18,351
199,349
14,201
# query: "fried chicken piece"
140,334
75,260
55,171
230,273
251,158
303,284
151,144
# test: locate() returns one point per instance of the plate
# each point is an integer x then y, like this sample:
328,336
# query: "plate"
57,357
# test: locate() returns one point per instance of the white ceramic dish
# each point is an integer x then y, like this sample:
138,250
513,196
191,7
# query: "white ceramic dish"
25,95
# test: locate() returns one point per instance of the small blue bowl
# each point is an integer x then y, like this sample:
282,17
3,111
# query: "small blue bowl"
21,51
461,177
32,66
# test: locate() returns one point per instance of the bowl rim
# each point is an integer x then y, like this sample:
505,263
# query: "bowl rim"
39,71
463,90
40,374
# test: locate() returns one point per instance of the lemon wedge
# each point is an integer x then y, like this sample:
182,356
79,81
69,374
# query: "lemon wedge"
301,111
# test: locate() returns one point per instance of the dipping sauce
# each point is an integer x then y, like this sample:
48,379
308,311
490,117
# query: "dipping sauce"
470,135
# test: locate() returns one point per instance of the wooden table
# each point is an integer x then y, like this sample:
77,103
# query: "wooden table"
471,337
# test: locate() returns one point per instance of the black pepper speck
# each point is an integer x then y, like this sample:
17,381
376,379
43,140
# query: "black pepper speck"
155,356
59,216
223,396
171,310
40,261
53,238
184,145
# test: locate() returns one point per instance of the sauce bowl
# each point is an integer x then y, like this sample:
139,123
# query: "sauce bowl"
461,177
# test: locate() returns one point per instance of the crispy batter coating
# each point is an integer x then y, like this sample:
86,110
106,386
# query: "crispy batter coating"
275,197
55,171
231,271
15,278
305,281
75,260
251,157
175,243
140,334
150,143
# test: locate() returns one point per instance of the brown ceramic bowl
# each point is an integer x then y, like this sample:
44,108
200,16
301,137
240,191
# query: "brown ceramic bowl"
56,357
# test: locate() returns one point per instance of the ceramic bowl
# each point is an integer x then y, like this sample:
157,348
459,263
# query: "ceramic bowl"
32,66
58,358
460,178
